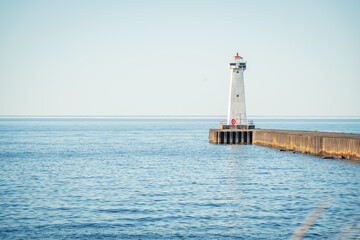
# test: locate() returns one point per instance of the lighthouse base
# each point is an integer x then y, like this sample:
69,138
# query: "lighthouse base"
231,136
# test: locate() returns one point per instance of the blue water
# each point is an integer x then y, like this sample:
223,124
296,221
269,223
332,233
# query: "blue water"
161,179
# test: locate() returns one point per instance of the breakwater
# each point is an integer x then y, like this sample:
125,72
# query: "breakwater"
324,144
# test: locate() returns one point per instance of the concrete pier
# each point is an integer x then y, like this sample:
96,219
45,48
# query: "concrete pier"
324,144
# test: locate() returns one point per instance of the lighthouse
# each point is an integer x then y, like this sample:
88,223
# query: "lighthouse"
237,108
238,129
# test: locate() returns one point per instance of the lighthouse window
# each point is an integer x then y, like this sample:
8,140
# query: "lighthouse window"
237,95
237,71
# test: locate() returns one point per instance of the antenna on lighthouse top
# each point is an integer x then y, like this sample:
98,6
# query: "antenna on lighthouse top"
237,55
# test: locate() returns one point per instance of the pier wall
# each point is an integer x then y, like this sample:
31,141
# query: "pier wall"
324,144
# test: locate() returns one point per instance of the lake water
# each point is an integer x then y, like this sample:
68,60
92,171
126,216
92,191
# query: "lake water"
129,178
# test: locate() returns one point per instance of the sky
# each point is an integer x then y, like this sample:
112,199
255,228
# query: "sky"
170,57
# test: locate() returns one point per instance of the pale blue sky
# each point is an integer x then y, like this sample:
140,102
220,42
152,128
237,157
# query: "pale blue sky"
170,57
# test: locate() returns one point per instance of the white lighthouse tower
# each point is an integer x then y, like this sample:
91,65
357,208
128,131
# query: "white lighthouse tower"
237,108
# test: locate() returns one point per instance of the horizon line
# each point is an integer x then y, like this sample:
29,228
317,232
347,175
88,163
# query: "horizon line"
174,116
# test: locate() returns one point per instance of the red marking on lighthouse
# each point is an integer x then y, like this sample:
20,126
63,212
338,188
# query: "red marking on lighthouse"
233,121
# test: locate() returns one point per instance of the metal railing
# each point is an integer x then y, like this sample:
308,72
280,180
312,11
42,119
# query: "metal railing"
240,122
